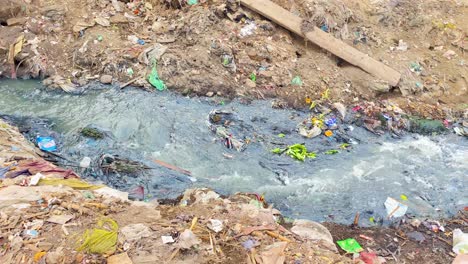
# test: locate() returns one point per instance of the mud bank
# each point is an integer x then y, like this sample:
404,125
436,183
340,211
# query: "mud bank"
220,48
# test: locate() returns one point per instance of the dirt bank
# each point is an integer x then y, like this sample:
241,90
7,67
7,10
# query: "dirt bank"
45,212
218,48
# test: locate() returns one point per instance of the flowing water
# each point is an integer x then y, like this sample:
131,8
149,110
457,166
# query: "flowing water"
431,171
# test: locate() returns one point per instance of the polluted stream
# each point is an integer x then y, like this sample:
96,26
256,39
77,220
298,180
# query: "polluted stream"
431,171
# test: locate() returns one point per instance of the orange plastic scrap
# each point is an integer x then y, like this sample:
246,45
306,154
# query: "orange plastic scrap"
44,167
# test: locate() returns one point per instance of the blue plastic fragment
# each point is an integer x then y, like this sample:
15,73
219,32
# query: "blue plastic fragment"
46,143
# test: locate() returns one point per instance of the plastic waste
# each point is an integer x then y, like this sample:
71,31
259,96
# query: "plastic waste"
297,151
297,81
248,29
100,38
73,183
31,233
192,2
331,122
350,245
130,71
154,80
85,162
141,42
99,240
395,208
216,225
460,242
331,152
324,27
253,77
46,143
35,179
133,39
167,239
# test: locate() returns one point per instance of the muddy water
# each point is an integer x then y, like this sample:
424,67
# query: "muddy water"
431,171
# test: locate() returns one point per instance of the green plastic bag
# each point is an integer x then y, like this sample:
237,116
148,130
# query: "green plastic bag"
153,78
350,245
192,2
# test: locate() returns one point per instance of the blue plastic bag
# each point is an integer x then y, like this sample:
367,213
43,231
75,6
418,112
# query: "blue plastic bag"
46,143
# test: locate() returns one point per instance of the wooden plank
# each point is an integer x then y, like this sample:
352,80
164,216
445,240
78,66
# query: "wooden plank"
324,40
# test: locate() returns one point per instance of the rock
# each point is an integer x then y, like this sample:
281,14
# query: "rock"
314,231
416,236
15,21
135,232
249,83
106,79
341,109
209,94
119,259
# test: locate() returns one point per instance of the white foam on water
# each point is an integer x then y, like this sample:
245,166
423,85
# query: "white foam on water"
423,145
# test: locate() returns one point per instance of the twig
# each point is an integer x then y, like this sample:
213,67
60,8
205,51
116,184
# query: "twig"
173,254
278,236
128,83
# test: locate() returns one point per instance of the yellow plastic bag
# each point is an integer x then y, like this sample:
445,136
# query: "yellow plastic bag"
100,240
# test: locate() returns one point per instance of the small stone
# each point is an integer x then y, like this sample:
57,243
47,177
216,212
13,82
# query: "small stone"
416,236
209,94
15,21
249,83
380,87
106,79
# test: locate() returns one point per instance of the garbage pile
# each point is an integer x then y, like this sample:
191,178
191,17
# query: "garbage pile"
219,48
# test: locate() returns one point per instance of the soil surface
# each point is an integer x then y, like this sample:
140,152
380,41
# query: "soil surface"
217,48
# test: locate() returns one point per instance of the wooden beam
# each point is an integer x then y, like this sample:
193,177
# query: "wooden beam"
324,40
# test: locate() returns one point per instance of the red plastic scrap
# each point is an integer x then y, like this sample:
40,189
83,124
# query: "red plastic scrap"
42,166
369,258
